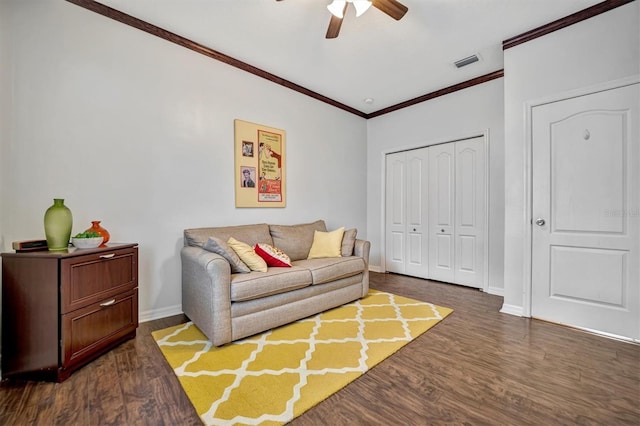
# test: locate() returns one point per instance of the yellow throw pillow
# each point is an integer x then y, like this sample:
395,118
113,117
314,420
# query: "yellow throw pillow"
247,255
326,244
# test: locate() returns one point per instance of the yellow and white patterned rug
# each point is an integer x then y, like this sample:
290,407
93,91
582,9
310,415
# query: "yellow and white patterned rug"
275,376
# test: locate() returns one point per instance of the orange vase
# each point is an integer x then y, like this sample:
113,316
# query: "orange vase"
95,227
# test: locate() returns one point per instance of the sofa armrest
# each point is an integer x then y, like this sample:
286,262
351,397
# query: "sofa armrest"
362,249
206,292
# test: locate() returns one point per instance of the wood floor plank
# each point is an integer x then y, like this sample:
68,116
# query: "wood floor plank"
478,366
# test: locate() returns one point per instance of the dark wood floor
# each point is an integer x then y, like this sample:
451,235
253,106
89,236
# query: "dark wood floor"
476,367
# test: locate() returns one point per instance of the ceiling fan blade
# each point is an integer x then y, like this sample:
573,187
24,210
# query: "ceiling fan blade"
334,27
392,8
334,24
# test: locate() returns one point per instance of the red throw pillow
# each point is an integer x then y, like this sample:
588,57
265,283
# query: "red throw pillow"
272,255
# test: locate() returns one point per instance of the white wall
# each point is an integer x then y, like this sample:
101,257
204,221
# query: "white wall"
600,49
138,132
462,114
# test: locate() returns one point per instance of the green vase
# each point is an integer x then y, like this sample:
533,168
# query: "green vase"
57,225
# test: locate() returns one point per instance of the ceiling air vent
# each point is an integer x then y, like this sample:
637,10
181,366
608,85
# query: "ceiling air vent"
466,61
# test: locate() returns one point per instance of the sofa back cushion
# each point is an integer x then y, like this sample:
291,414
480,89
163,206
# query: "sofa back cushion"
249,234
296,240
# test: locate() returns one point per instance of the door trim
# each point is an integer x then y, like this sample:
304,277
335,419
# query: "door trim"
484,134
528,173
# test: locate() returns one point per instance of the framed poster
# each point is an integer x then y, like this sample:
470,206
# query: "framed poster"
259,165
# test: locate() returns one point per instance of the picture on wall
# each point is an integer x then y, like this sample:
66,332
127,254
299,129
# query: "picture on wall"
247,149
260,176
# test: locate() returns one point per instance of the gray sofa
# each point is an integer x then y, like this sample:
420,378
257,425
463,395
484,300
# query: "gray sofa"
228,306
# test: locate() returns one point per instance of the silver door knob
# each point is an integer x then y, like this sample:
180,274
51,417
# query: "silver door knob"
540,221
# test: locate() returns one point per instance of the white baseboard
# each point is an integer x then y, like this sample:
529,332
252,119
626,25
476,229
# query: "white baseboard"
496,291
375,268
155,314
512,310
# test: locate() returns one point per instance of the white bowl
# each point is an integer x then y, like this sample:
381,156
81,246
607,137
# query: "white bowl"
83,243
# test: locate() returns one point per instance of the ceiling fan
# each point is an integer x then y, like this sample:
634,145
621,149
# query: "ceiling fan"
393,8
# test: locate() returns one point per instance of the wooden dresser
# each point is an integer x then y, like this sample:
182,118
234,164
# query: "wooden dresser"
60,310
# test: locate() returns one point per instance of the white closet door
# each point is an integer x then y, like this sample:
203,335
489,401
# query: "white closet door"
396,216
441,212
406,213
417,188
469,212
457,212
435,212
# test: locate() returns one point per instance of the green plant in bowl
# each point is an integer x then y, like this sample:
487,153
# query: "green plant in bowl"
90,234
89,239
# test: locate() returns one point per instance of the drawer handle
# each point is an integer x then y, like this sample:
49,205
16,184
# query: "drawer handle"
109,303
107,256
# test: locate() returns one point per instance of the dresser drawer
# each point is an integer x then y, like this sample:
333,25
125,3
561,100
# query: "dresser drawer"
93,328
94,277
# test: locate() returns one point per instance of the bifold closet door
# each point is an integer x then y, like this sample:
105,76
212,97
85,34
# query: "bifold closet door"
470,211
441,212
406,213
456,212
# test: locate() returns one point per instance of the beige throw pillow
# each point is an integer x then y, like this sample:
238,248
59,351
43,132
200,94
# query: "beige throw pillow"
326,244
247,255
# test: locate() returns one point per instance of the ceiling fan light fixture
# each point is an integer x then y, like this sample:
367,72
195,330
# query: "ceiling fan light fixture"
361,6
337,8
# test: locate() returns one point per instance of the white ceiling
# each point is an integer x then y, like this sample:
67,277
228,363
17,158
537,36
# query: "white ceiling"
374,56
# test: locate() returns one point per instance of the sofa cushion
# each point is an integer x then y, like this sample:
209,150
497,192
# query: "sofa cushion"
272,255
295,240
247,255
248,307
326,244
331,268
250,234
274,281
217,246
348,242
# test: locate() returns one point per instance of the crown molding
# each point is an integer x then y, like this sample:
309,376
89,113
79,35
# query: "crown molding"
556,25
447,90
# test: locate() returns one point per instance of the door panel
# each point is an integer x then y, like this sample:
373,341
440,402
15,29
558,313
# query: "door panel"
417,190
406,211
441,211
578,165
467,257
588,275
395,191
469,212
586,186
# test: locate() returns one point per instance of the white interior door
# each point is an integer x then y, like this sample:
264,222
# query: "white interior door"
441,212
586,211
406,213
469,212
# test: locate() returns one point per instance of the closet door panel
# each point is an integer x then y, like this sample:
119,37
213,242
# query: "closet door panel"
395,212
417,225
469,212
441,212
